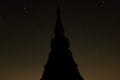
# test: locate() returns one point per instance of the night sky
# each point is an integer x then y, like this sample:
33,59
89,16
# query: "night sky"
92,26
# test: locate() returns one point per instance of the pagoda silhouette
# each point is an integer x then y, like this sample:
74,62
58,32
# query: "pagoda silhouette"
60,64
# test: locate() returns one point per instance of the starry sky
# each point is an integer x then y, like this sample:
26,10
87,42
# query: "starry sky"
92,26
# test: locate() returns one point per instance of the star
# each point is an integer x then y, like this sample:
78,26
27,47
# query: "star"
25,8
100,4
103,2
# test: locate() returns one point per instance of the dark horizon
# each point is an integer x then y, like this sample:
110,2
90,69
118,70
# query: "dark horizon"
92,27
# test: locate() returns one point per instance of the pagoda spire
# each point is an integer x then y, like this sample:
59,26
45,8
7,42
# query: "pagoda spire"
59,41
59,30
58,9
60,64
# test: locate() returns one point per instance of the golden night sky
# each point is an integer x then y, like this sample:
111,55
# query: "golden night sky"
92,26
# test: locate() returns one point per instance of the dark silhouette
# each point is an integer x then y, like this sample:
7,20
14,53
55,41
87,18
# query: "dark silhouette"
60,65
